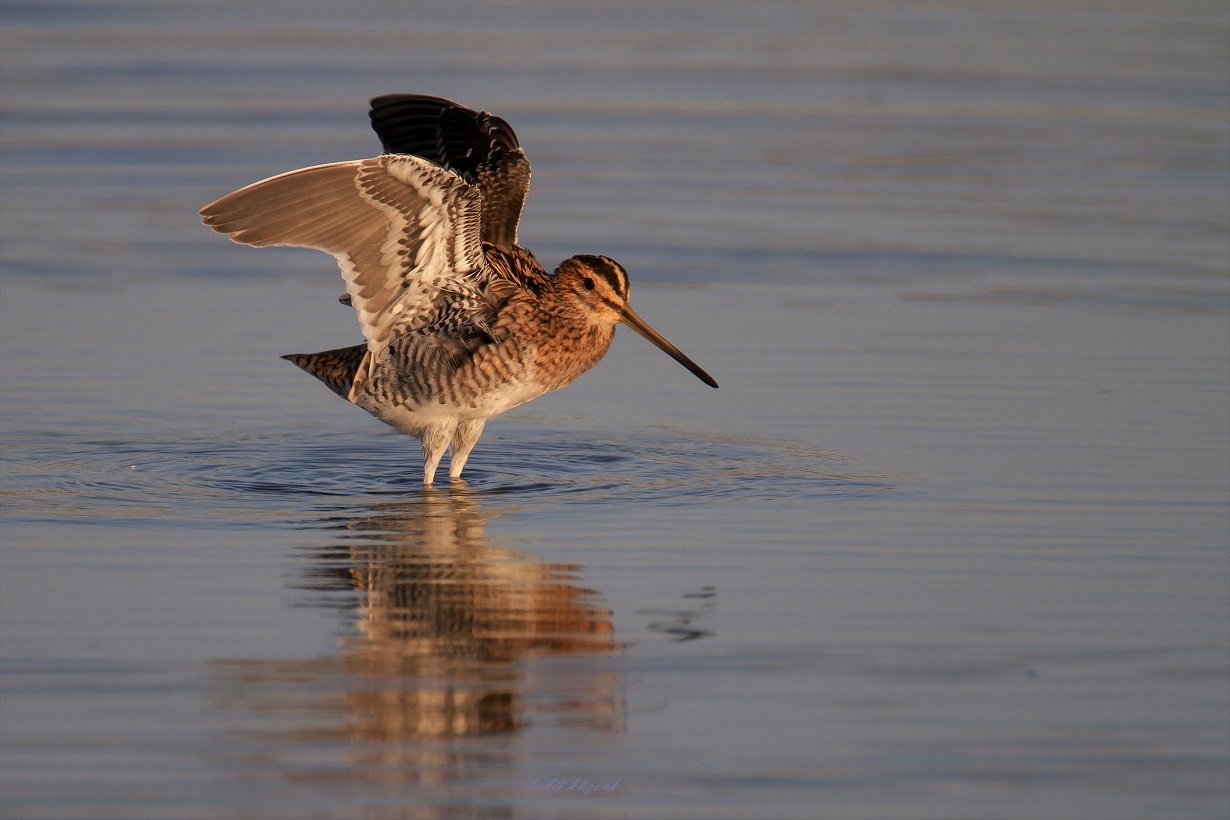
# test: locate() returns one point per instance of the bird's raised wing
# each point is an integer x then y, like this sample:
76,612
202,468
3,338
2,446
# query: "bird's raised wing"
404,231
481,147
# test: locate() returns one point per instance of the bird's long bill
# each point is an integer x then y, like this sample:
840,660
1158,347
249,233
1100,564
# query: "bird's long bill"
635,322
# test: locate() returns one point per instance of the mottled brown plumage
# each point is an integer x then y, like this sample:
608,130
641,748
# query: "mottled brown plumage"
461,322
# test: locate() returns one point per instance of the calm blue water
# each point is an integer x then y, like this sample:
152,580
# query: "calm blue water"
952,539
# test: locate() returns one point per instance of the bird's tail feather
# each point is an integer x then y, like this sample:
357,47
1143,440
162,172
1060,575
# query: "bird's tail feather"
336,368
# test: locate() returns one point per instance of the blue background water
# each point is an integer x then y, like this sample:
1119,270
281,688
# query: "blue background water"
951,539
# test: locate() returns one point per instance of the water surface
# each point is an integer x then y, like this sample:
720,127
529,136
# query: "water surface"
951,539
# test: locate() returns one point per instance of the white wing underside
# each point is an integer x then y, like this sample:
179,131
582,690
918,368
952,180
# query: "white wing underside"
405,233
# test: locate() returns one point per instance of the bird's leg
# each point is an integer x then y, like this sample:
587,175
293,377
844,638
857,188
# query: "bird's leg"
435,438
463,442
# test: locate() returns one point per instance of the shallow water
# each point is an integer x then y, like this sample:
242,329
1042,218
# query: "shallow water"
951,539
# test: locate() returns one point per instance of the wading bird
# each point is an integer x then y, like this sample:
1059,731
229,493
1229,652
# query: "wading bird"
461,322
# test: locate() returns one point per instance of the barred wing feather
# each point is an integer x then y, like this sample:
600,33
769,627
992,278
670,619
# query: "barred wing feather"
405,233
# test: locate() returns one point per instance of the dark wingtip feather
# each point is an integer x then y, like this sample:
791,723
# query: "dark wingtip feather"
482,148
441,131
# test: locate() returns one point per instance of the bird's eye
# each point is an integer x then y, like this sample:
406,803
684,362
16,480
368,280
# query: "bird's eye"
588,283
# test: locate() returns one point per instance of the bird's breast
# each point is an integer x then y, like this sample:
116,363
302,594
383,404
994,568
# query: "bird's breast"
532,351
564,344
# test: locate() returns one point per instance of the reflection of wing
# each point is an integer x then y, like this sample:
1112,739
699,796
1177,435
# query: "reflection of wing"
405,233
481,147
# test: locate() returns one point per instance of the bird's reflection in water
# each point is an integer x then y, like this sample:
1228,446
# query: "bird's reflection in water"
445,610
445,641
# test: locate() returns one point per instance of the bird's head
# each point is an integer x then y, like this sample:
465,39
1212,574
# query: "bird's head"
599,286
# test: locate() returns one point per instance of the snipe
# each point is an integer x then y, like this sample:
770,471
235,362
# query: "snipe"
461,322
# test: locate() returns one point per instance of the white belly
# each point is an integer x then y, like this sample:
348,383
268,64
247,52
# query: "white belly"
413,419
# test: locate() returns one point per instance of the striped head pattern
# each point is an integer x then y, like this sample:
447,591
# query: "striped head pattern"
598,286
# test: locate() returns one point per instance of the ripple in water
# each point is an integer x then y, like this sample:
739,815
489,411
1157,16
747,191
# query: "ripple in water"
246,475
